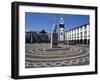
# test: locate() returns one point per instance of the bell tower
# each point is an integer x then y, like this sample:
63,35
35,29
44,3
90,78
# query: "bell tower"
61,30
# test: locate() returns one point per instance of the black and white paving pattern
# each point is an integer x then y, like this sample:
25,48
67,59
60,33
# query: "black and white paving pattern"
41,55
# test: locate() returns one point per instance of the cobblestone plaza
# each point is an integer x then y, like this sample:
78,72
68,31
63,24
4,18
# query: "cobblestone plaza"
58,47
41,55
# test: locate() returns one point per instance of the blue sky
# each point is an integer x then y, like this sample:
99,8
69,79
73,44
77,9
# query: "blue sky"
40,21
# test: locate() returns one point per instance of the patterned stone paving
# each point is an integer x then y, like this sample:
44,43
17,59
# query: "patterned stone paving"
41,55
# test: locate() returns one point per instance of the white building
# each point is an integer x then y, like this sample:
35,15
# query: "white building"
78,35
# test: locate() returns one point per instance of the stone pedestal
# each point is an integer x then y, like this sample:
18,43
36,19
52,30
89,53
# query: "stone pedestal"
54,40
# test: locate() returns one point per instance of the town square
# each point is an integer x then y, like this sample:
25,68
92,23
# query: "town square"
57,47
